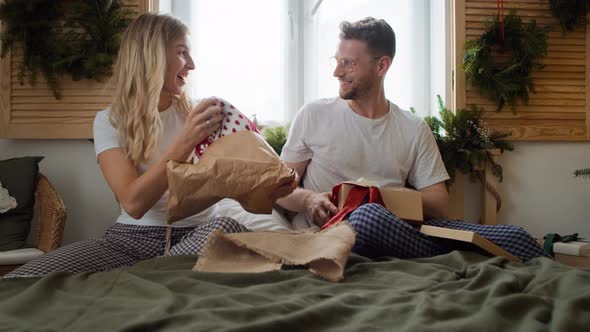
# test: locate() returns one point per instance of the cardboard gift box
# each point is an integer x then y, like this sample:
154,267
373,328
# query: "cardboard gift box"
468,237
405,203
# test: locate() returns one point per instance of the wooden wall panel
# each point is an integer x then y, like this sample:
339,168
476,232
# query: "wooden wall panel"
32,112
559,110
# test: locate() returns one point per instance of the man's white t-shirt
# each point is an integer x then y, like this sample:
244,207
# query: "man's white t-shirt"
105,138
342,145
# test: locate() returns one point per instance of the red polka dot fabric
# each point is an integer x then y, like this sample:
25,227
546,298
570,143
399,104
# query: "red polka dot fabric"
233,121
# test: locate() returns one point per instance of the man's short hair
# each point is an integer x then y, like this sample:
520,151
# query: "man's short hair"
377,33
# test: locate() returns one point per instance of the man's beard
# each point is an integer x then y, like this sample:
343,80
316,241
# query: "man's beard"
349,95
353,93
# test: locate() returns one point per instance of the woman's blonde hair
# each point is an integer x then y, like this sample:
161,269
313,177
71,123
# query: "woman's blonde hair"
138,79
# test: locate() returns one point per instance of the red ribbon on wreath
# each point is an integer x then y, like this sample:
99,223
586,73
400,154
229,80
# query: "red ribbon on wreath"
500,5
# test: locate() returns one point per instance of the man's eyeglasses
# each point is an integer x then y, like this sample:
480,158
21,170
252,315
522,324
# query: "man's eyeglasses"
347,64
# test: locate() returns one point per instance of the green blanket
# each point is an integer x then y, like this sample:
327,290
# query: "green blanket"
456,292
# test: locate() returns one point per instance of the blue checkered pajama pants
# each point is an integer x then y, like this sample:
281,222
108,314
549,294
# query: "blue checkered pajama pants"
125,245
380,233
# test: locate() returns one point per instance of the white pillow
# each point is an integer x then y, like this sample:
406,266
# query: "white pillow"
254,222
7,202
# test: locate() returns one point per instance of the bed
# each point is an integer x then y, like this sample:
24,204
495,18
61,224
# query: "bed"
460,291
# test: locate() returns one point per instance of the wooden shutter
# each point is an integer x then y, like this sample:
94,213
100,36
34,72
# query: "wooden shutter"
32,112
559,110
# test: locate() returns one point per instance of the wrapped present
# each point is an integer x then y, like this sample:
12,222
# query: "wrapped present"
241,166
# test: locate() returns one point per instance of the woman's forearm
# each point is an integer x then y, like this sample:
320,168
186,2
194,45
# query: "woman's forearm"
145,191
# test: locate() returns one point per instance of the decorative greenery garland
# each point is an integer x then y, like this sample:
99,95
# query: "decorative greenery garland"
570,13
501,67
59,36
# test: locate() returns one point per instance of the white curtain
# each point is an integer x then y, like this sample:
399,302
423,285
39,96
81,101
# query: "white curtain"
268,57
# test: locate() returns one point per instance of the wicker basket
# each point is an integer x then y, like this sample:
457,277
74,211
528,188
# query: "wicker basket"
51,219
51,216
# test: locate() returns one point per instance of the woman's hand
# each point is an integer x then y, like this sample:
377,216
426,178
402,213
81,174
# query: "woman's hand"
202,121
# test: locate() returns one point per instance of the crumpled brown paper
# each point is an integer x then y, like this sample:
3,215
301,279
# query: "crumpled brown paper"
325,253
241,166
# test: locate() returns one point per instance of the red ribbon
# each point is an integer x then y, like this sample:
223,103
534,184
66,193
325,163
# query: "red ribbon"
500,5
355,198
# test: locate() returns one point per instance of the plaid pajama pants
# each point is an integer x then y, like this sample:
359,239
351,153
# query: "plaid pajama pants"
380,233
124,245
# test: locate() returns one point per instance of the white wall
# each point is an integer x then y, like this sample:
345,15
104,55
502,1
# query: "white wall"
539,191
71,167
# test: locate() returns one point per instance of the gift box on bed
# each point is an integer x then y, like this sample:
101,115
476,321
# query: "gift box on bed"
406,204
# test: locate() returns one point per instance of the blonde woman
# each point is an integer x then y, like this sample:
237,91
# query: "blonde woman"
149,122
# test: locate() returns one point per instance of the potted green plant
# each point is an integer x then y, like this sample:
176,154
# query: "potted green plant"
276,137
465,143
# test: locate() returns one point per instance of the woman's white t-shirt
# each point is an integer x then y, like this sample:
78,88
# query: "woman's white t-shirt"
105,138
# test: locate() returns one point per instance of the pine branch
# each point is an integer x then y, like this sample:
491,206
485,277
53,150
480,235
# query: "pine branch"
584,173
570,13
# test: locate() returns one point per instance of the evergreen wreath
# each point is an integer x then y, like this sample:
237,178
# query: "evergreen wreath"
570,13
81,38
500,62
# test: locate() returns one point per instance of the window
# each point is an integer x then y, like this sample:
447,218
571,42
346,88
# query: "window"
269,57
239,52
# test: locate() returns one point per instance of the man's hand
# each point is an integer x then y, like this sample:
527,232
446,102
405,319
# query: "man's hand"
319,208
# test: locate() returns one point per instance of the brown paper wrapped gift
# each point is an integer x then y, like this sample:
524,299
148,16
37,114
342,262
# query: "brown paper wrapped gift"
324,253
241,166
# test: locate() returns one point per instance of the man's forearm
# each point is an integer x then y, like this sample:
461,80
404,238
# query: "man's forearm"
294,202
